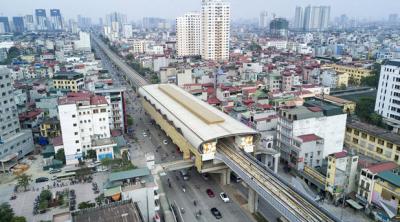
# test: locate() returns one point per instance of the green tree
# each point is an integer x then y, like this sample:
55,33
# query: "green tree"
85,204
43,204
365,111
45,195
100,199
18,219
91,154
129,56
24,180
107,162
6,212
60,155
82,172
130,120
373,79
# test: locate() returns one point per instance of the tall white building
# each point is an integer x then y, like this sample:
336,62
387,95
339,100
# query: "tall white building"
315,18
84,42
84,121
263,20
303,137
215,29
127,30
388,97
298,18
188,34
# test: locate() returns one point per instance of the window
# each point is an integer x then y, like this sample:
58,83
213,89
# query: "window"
389,145
381,142
74,124
95,111
379,150
76,133
356,132
355,140
103,110
73,116
364,135
349,130
371,138
76,141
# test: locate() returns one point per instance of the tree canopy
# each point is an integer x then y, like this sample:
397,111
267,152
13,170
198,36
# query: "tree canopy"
60,155
24,180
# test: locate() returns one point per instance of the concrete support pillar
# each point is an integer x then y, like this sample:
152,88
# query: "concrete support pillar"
276,161
186,154
225,177
252,201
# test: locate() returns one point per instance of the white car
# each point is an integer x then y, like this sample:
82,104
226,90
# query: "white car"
224,197
165,142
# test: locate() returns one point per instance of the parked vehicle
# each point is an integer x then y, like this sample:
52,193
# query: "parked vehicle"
185,174
235,177
215,212
224,197
210,193
53,171
41,179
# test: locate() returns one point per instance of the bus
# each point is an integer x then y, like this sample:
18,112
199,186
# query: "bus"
66,176
282,219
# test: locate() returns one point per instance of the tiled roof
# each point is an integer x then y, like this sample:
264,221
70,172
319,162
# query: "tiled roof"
309,137
381,167
341,154
390,177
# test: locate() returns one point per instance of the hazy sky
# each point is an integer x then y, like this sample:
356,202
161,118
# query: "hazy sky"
136,9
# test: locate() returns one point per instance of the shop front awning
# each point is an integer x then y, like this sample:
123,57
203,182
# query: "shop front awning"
354,204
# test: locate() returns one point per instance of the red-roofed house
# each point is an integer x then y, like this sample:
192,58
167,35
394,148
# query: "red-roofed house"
309,152
31,119
367,179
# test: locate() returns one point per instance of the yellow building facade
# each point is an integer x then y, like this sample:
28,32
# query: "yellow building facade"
372,141
69,81
342,79
387,190
353,72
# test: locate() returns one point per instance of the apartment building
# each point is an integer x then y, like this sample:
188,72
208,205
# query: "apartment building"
14,142
388,96
331,78
85,125
116,99
303,135
372,141
386,193
188,34
341,174
71,81
354,72
368,177
215,29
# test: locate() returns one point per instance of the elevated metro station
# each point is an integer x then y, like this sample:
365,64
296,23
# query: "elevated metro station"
194,126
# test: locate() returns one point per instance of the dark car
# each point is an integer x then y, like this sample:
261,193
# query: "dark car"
210,193
215,212
42,179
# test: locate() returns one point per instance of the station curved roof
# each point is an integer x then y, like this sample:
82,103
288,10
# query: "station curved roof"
198,121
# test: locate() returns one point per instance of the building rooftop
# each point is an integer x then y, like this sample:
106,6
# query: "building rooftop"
393,63
199,121
390,177
68,75
309,137
122,211
123,175
381,167
82,96
300,112
375,131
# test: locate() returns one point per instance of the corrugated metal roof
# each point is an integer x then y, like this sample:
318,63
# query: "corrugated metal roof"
390,177
123,175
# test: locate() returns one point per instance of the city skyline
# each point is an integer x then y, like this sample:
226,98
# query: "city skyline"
371,10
